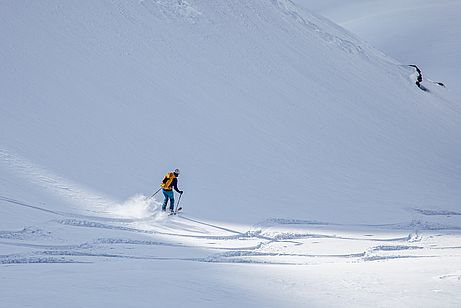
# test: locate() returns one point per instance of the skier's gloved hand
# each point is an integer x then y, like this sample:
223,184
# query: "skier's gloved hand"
181,192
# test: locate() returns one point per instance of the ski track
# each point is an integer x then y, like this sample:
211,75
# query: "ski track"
415,224
25,234
451,276
261,244
65,189
34,260
67,214
385,258
437,212
395,248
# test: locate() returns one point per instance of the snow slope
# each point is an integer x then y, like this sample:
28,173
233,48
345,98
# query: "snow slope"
314,170
267,111
93,261
421,32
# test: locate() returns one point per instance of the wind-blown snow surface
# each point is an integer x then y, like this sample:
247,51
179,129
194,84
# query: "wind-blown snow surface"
424,32
269,110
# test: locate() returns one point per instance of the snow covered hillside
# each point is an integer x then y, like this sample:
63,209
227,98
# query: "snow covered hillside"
413,31
269,110
314,169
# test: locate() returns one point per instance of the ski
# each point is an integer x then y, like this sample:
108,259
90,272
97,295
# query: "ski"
175,212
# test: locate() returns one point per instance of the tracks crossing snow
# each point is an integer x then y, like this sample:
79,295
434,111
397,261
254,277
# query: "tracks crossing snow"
70,238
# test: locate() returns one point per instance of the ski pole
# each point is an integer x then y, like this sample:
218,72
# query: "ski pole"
154,194
177,205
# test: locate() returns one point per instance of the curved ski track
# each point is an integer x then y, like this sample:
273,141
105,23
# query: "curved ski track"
271,242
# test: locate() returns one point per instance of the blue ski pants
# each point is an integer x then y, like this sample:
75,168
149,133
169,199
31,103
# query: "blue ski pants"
169,195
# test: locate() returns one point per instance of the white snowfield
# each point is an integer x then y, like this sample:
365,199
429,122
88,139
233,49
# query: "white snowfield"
316,173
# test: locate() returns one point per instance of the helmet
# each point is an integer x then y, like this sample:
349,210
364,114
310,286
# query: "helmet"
176,171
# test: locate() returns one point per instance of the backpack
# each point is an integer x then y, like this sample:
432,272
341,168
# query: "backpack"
167,180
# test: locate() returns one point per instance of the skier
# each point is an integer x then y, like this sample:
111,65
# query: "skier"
169,182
